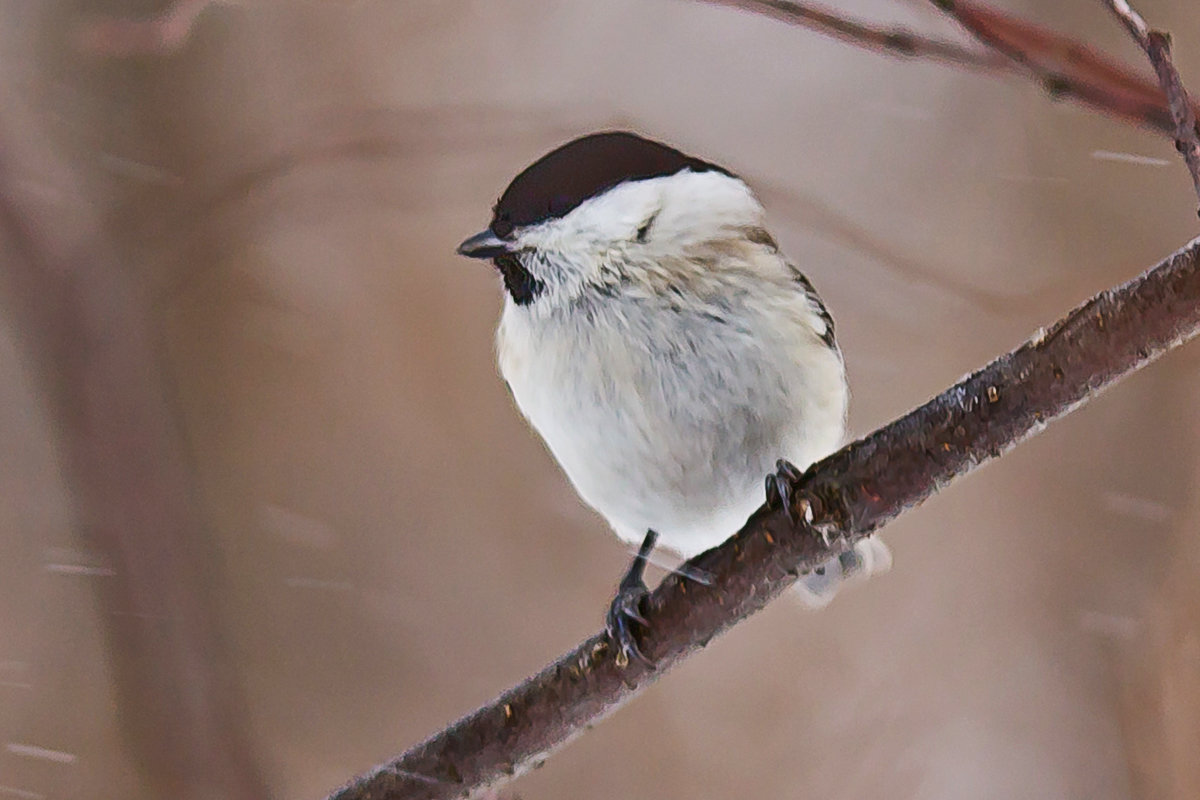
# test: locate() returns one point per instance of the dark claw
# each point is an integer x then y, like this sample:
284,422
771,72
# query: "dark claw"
772,492
780,485
626,608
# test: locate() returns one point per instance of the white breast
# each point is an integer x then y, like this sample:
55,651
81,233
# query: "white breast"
665,416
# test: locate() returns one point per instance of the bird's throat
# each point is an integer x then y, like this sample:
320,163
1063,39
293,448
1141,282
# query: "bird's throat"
520,284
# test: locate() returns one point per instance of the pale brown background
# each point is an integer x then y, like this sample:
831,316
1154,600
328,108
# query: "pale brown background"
396,547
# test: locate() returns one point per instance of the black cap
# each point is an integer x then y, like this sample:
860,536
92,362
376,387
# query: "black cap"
564,178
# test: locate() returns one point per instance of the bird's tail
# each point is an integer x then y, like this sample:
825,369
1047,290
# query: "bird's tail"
868,557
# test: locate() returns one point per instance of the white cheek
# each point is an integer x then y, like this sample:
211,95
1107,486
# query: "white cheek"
587,245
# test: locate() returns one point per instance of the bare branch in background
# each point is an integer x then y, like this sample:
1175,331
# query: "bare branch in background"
1065,67
89,338
1158,47
892,41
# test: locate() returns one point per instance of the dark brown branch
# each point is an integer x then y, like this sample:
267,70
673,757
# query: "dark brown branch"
1158,47
846,496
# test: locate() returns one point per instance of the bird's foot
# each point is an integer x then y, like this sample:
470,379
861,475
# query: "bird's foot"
626,609
780,485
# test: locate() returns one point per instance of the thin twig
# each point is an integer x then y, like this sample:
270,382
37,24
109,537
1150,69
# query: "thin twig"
848,496
1133,21
1066,67
893,41
1158,47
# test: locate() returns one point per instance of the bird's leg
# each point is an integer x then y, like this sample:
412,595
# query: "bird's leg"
626,607
780,485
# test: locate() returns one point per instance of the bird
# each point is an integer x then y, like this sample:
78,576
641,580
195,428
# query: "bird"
670,356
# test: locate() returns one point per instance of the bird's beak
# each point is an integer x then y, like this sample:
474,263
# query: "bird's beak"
483,245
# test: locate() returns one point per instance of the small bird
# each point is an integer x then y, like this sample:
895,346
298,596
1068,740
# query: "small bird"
665,349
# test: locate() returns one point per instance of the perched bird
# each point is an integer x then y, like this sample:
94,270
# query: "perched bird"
666,351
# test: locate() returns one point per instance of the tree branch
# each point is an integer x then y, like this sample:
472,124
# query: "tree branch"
845,497
1158,47
893,41
1066,68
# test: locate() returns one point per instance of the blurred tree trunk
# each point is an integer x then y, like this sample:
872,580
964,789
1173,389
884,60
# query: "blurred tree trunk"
91,341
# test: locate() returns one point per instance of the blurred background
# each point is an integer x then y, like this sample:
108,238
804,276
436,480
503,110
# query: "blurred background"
375,543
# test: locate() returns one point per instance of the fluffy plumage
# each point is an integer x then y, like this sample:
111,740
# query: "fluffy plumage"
670,353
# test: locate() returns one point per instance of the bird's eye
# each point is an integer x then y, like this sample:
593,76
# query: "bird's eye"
502,226
643,232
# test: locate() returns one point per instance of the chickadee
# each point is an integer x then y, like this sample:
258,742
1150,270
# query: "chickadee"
664,348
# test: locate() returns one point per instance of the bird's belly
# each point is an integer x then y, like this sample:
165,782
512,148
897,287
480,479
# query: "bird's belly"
675,440
641,473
